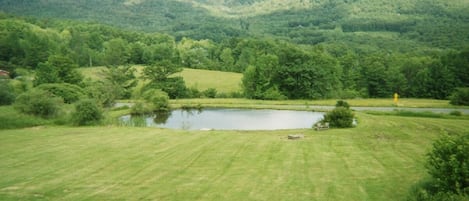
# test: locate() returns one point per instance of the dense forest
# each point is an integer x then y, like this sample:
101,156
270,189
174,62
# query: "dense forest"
306,50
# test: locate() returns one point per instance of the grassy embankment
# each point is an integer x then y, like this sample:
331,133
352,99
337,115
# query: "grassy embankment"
379,160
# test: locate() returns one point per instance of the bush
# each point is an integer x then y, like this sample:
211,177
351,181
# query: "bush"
448,166
210,93
340,117
460,97
427,190
193,92
7,94
456,113
38,102
342,103
140,108
448,163
87,112
158,99
273,94
69,92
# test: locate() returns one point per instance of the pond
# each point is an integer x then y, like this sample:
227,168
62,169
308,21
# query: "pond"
227,119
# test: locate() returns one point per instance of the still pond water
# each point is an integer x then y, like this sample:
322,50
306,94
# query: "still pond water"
227,119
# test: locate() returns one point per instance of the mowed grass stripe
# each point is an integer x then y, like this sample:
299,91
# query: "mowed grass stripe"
379,160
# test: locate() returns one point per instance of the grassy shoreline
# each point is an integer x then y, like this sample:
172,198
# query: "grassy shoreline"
247,103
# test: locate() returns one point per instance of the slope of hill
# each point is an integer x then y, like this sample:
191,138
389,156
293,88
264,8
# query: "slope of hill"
435,23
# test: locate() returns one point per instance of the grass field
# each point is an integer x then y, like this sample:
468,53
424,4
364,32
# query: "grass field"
379,160
224,82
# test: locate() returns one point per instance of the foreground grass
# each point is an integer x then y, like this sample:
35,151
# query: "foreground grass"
379,160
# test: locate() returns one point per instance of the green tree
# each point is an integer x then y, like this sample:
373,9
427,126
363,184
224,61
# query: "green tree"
227,59
37,48
159,77
116,52
122,78
460,97
448,163
7,95
58,69
374,79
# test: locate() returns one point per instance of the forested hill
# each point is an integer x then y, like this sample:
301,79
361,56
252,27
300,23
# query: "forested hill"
398,25
286,49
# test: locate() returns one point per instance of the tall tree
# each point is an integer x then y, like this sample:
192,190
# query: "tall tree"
58,69
116,52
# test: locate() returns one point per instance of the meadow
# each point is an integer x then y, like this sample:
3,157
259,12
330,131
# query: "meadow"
381,159
224,82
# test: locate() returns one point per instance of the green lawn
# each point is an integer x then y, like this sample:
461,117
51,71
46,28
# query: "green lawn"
379,160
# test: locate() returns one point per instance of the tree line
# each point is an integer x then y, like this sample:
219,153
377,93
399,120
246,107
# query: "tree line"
273,68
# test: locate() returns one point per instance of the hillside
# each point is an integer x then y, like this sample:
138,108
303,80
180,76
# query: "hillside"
435,23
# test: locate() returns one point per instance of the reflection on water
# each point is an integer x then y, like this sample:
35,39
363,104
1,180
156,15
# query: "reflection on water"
227,119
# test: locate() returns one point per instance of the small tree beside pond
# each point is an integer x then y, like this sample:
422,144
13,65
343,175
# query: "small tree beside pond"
158,99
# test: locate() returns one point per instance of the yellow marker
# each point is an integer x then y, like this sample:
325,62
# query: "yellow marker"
396,98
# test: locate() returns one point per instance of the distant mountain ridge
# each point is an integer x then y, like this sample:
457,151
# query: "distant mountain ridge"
437,23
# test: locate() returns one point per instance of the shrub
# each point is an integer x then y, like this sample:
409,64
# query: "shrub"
140,108
87,112
38,102
7,94
273,94
448,163
456,113
448,166
460,97
210,93
193,92
158,99
69,92
340,117
342,103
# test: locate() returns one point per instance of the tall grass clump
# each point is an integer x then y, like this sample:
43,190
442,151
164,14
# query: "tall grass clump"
12,119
